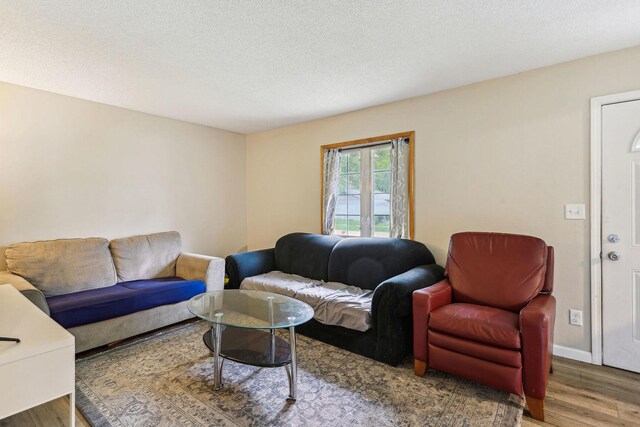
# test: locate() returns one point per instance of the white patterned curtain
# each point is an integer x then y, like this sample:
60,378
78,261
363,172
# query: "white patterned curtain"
400,188
331,179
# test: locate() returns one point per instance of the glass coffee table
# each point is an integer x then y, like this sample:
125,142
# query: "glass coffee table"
243,325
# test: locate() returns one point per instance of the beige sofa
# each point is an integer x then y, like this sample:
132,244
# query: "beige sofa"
55,274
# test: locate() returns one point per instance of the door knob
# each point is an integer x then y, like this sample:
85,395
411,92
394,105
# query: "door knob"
613,238
613,256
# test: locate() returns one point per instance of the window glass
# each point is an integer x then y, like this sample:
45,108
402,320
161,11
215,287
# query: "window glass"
366,191
381,177
363,205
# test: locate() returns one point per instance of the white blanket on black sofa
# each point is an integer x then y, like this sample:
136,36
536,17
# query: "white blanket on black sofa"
333,303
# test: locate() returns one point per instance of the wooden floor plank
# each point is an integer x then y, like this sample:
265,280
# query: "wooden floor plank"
629,412
22,419
561,420
580,394
605,371
581,414
51,414
582,398
47,415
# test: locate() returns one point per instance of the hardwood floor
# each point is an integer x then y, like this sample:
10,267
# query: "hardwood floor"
579,394
51,414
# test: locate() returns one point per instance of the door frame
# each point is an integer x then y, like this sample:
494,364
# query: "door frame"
596,216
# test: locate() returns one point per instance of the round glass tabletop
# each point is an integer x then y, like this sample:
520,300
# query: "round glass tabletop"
250,309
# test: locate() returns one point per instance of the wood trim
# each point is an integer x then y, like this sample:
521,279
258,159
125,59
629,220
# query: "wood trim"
412,209
411,136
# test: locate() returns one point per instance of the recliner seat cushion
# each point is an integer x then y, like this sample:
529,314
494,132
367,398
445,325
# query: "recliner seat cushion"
478,323
333,303
146,257
63,266
367,262
81,308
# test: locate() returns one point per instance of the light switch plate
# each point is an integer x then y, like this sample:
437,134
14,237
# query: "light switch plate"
574,211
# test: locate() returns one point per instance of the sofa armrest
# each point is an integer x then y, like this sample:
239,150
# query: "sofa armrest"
537,320
424,302
402,286
391,310
32,293
201,267
247,264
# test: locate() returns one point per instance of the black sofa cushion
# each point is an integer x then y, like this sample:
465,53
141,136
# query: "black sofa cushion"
304,254
367,262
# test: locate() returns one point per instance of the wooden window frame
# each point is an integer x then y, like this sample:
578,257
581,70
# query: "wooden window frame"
410,135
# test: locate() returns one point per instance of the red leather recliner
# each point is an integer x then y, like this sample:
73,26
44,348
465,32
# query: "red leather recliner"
491,320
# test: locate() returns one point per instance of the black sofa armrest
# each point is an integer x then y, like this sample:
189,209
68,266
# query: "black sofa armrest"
391,309
240,266
399,289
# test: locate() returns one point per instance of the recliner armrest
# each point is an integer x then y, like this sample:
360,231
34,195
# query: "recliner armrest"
32,293
424,302
201,267
537,320
247,264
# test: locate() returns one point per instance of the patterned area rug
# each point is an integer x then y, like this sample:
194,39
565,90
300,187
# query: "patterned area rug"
167,380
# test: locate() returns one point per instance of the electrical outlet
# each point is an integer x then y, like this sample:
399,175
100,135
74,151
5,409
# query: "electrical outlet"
575,317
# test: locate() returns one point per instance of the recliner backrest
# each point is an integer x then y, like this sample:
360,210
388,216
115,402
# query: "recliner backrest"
305,254
498,270
366,262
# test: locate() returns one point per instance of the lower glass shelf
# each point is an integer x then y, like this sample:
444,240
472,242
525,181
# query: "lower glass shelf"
252,347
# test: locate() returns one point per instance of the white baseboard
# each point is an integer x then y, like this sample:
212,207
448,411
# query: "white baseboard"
572,353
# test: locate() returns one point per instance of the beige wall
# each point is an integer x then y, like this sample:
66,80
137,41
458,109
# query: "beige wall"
74,168
502,155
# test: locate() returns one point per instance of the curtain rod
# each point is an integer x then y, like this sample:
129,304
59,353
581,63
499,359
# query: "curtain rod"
371,144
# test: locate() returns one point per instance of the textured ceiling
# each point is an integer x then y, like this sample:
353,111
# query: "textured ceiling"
253,65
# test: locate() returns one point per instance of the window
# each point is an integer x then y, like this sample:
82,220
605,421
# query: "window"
363,206
358,190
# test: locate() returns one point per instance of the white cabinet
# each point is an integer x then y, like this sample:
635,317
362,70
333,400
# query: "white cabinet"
41,367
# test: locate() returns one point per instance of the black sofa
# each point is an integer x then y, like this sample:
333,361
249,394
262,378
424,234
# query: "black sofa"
392,268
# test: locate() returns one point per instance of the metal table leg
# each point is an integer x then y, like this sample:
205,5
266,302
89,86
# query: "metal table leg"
216,340
293,372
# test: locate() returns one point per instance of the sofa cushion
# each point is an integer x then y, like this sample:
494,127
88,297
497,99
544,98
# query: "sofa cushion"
304,254
478,323
332,303
339,304
81,308
367,262
63,266
146,257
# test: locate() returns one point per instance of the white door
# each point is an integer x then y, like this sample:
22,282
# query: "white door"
621,235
